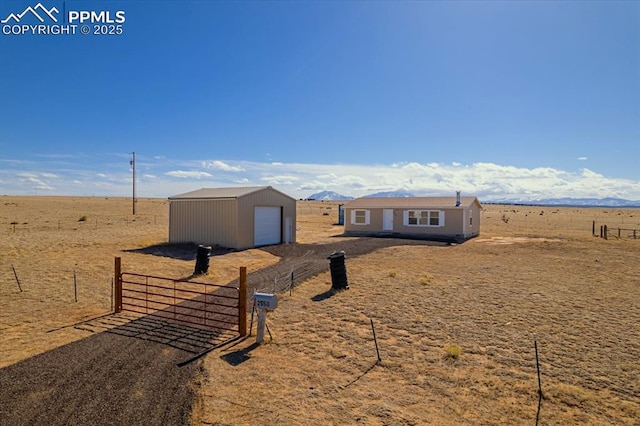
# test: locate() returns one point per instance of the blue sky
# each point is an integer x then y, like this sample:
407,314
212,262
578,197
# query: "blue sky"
499,99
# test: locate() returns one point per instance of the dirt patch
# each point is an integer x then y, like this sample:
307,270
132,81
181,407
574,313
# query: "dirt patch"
514,240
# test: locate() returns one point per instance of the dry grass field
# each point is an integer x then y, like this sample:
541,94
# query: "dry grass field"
455,325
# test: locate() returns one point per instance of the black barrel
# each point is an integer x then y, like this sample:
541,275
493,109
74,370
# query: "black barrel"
338,271
202,260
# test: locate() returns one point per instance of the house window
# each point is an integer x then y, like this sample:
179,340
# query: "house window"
418,218
360,217
424,218
434,218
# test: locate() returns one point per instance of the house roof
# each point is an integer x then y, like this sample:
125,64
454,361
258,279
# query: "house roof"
228,192
410,202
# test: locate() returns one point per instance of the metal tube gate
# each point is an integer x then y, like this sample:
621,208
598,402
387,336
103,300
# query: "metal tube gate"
209,305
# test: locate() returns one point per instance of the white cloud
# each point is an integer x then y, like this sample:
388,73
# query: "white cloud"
589,174
28,175
489,181
35,180
582,158
188,174
220,165
280,180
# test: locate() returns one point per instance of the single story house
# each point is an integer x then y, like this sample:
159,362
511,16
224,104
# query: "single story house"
236,217
453,219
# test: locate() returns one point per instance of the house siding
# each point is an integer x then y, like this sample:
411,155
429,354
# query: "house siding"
472,230
456,221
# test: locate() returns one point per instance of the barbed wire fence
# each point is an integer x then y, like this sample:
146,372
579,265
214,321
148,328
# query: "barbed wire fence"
273,280
17,226
59,285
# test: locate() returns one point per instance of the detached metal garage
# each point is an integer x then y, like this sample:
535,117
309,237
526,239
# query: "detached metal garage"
238,218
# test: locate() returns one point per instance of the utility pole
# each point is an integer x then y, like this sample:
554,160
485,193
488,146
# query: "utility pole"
133,168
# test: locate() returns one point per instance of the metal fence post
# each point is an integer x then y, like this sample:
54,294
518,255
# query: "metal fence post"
242,302
118,283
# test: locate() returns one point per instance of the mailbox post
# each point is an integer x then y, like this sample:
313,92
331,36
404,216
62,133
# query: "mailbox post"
263,302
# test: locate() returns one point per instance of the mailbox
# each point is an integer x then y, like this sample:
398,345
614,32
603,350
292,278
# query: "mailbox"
266,301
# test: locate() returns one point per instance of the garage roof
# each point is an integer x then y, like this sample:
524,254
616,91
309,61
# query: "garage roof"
228,192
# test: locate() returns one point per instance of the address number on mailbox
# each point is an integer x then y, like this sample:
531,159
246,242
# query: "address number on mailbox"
265,301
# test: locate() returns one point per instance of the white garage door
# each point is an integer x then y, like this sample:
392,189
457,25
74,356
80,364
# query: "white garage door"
267,226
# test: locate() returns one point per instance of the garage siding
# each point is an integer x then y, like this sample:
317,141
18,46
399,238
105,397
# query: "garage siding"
205,217
266,198
203,222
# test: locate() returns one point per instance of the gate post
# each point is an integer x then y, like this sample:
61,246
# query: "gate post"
118,283
242,302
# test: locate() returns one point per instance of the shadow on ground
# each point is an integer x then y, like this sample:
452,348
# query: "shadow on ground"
178,251
179,335
323,296
236,358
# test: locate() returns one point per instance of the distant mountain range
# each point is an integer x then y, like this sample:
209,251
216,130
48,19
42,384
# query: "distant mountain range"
566,201
401,193
328,196
334,196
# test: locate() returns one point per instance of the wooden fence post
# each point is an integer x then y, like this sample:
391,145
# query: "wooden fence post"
117,304
606,232
242,302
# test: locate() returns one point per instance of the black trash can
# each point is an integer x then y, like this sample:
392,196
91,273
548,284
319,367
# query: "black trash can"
338,271
202,260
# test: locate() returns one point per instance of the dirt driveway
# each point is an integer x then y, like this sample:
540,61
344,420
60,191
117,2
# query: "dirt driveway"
127,372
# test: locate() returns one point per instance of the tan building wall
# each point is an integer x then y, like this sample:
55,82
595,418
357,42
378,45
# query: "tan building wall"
227,221
246,207
453,223
460,223
472,220
203,222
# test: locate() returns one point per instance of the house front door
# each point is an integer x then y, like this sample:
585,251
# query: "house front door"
387,219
